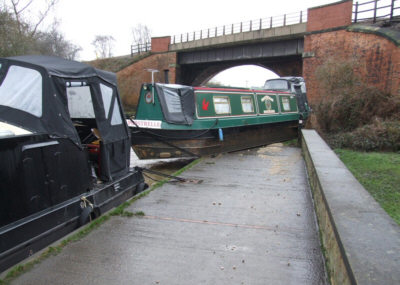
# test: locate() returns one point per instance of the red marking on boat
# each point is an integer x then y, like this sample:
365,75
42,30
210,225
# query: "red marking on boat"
205,105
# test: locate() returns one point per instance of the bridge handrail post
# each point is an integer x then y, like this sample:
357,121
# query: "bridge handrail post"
301,17
270,22
284,20
223,30
208,33
260,26
375,9
201,34
356,13
251,25
391,10
241,26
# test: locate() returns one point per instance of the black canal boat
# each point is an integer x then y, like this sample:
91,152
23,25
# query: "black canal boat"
64,151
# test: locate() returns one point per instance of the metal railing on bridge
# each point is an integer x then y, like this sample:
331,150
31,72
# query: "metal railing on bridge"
140,48
248,26
376,10
368,10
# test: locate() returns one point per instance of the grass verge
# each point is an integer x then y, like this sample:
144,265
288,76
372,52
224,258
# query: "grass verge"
18,270
379,173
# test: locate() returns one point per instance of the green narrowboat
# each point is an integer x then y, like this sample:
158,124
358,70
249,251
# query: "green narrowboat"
182,121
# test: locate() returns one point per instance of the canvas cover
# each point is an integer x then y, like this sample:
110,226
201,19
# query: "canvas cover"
49,114
177,103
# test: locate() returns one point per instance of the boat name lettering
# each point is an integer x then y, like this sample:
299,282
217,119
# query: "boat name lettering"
150,124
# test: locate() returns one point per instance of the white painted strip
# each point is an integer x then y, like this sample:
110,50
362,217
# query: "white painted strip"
147,124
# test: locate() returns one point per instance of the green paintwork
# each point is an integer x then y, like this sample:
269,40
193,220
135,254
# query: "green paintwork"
146,111
207,118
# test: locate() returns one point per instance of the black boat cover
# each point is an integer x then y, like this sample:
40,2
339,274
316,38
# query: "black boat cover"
37,93
177,103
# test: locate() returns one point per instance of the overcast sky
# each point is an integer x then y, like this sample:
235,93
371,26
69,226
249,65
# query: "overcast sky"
81,20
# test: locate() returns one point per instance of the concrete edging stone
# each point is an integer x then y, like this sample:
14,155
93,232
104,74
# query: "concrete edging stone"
361,242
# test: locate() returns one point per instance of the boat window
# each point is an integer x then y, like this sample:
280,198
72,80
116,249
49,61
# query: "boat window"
80,103
106,93
22,89
286,104
221,105
116,114
247,104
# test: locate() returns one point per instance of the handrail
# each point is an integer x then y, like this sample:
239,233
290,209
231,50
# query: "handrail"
248,26
376,10
140,48
362,11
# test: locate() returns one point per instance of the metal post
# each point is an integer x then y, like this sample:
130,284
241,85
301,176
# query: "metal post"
260,24
208,33
391,10
270,23
356,13
223,30
232,30
194,35
201,34
187,37
301,17
284,20
375,8
251,25
216,31
241,26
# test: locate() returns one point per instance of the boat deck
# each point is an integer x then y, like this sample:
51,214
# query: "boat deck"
250,221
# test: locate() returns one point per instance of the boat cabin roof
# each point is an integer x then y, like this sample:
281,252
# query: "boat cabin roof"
46,94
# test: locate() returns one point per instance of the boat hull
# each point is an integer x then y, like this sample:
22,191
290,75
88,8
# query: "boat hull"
161,143
25,237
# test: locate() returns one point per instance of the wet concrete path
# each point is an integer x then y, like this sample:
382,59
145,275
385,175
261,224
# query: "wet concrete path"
251,221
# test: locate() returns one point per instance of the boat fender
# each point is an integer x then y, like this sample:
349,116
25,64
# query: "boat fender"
87,210
220,135
141,187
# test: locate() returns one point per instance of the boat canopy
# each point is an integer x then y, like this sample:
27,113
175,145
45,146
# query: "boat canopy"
177,103
286,83
50,95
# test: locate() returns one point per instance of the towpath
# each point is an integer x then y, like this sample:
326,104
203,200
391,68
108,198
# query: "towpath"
250,221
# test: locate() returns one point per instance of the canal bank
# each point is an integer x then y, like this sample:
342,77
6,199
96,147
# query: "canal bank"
361,242
250,221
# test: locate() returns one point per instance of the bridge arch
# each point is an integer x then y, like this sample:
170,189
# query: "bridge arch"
200,73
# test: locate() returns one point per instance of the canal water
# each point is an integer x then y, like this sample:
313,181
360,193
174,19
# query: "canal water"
167,166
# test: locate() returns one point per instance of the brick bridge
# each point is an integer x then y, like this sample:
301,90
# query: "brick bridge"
292,49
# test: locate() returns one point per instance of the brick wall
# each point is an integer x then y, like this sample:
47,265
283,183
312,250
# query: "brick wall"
329,16
131,78
378,59
160,44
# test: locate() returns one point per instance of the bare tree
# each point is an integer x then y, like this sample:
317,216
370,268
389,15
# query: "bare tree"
20,34
141,36
19,7
103,45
